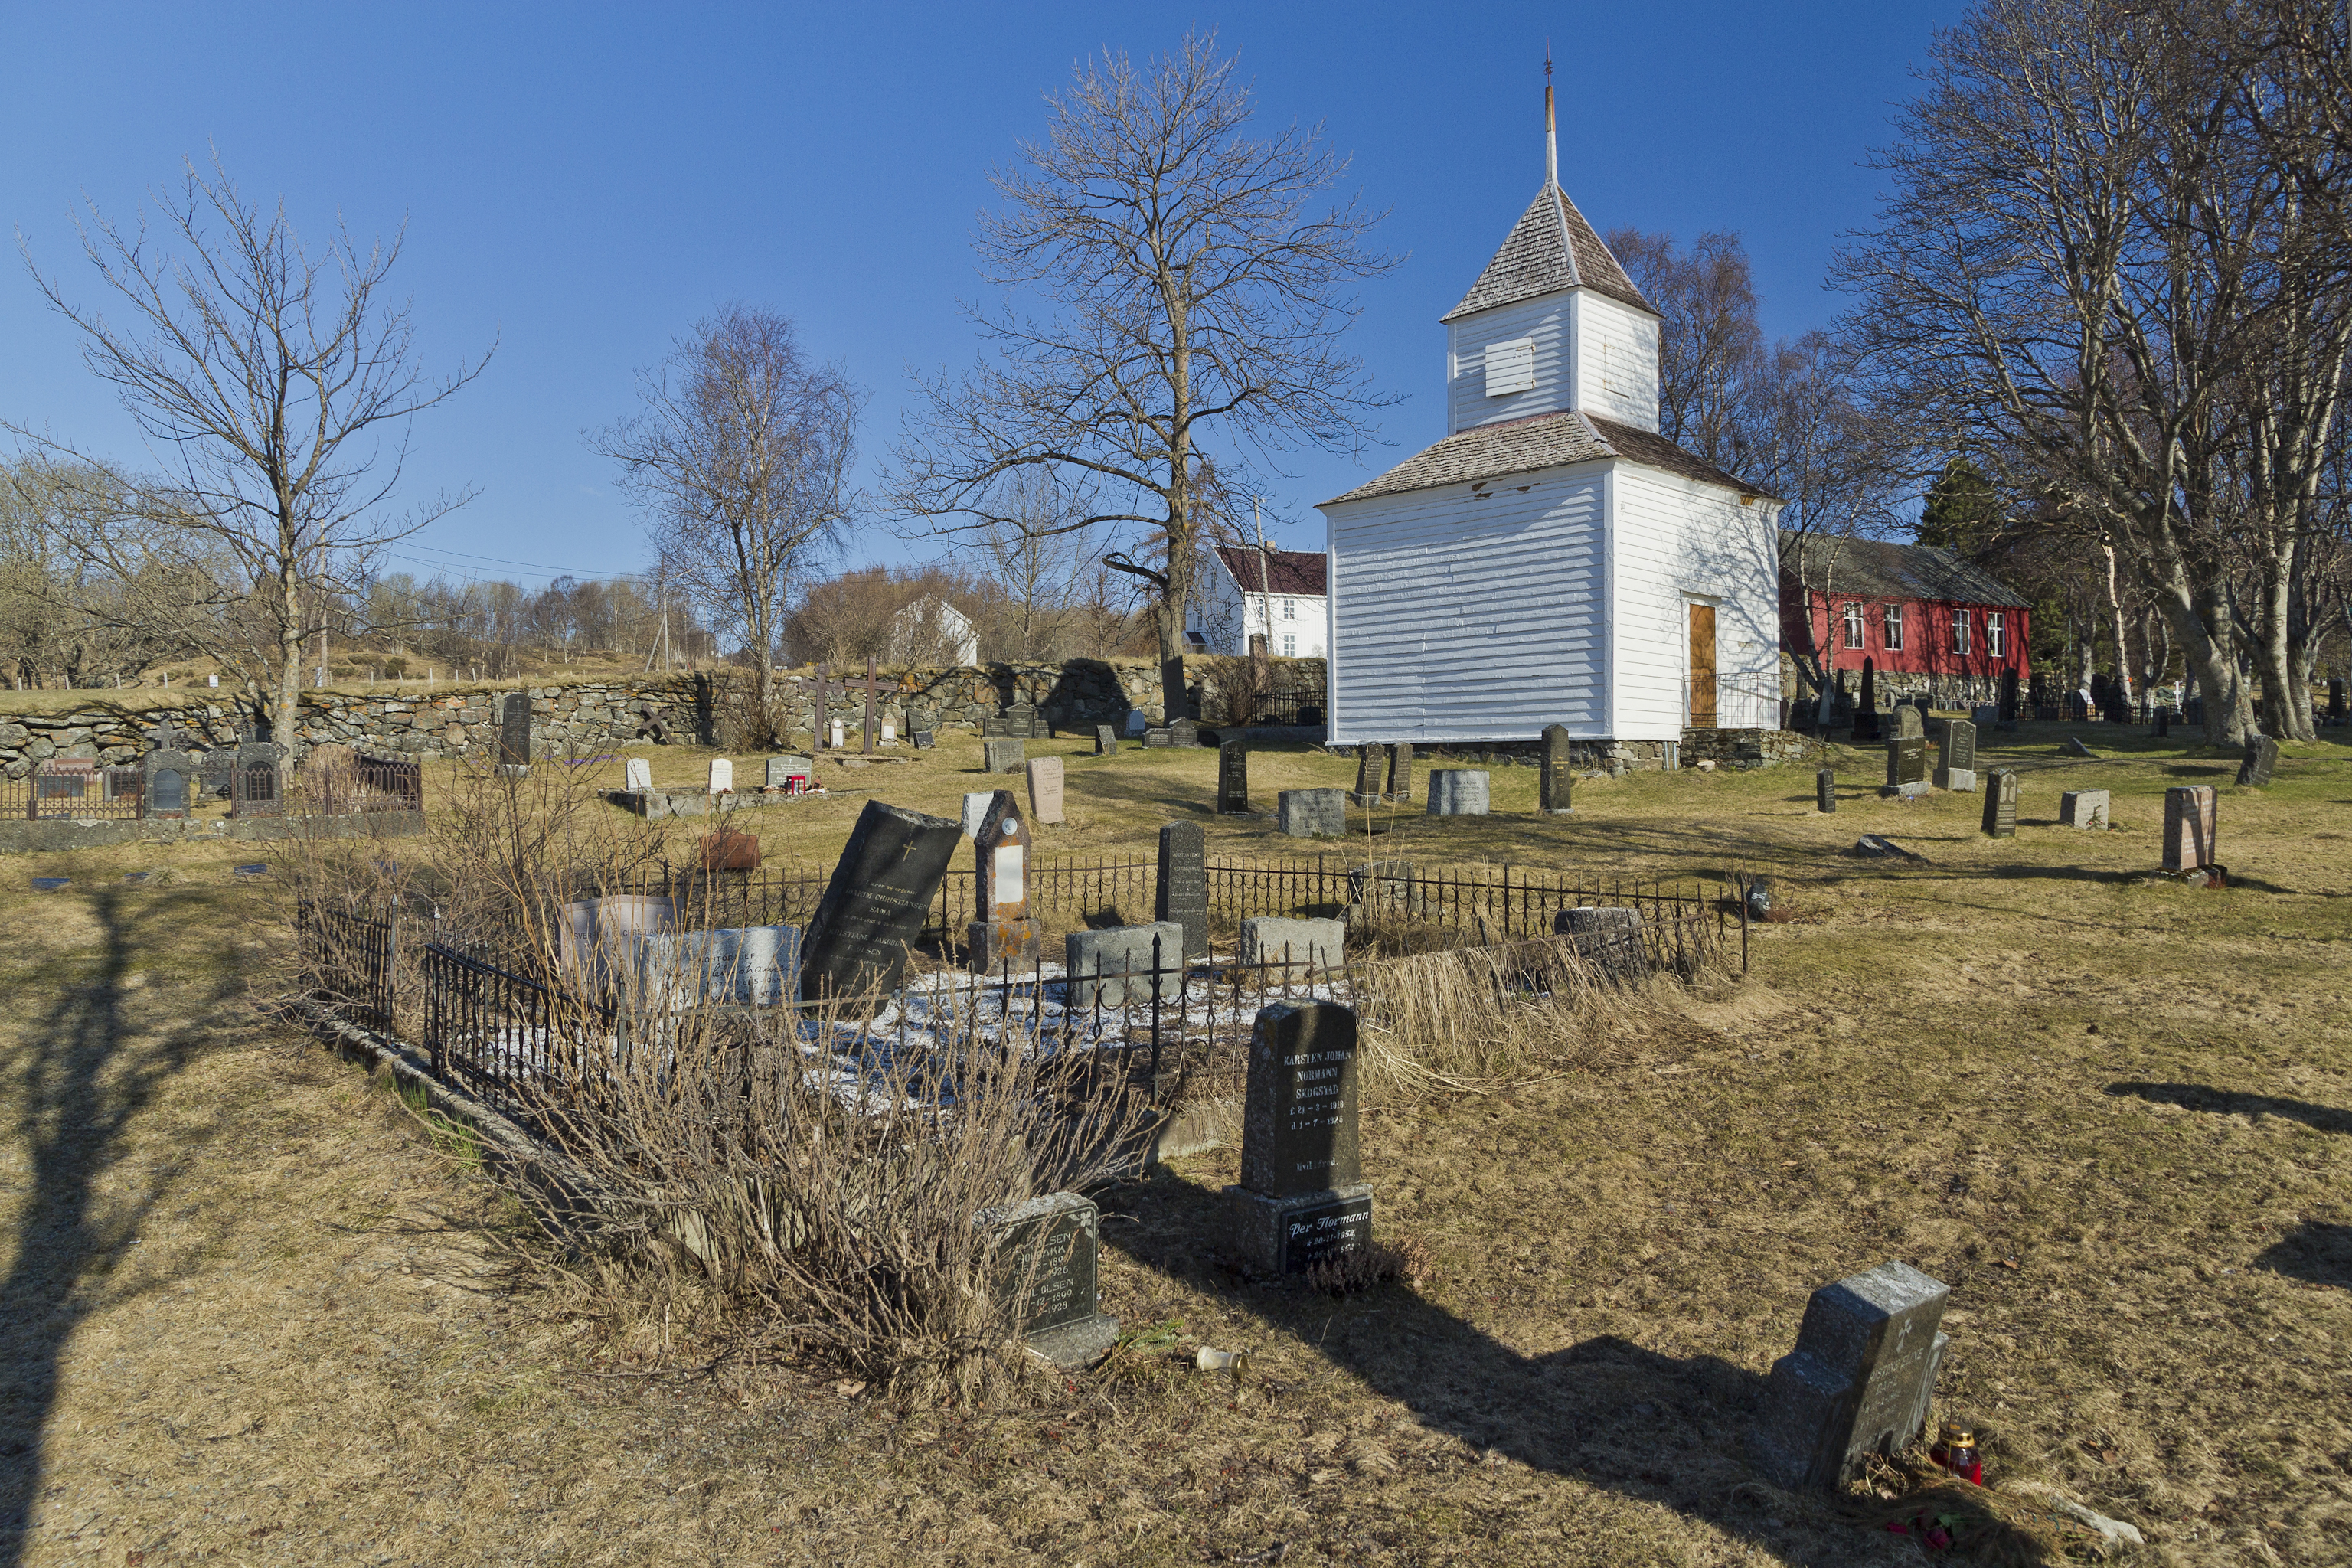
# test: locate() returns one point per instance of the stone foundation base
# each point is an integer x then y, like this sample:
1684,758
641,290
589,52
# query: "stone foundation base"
1278,1237
1732,749
1074,1347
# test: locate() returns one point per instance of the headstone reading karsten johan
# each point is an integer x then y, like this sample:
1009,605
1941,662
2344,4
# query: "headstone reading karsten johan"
1302,1197
1858,1381
1956,769
1045,1277
2188,824
1045,791
1183,895
1556,786
1002,933
1233,779
873,908
2000,803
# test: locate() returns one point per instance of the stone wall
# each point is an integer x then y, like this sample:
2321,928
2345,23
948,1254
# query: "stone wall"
590,718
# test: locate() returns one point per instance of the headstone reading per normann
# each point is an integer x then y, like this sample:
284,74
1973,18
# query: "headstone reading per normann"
1859,1381
1301,1198
1183,884
873,908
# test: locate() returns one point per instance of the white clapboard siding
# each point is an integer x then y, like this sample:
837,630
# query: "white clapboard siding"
1543,323
1616,359
1455,617
1677,541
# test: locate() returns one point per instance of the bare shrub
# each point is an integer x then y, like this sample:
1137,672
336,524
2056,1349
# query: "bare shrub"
1477,1019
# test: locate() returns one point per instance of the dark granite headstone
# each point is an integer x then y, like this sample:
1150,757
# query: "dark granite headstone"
1608,937
1301,1196
1959,750
2261,758
1233,779
1045,1274
2009,695
2336,699
1183,895
1858,1381
875,904
2162,722
1825,791
1184,732
1157,738
923,739
1907,760
1556,788
1021,721
2000,803
1371,769
167,792
514,730
1005,756
1106,740
1865,711
254,781
1400,772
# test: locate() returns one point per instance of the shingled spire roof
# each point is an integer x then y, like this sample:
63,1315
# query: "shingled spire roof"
1550,248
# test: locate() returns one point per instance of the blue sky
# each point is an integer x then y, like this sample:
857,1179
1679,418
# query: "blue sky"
580,182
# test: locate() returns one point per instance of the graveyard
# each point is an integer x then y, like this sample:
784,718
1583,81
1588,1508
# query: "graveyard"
2103,1107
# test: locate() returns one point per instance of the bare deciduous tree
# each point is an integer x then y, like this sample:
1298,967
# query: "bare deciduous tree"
264,379
1192,281
741,459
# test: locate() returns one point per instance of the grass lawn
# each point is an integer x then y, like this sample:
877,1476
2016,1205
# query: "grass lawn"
255,1311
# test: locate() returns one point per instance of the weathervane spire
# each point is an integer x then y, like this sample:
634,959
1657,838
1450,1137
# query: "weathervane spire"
1551,131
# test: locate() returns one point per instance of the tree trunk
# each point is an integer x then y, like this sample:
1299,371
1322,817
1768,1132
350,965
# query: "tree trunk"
289,667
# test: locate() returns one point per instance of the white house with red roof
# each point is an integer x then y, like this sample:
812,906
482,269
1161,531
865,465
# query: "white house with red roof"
1553,560
1253,591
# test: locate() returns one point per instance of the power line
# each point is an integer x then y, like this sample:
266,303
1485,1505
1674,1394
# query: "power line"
535,565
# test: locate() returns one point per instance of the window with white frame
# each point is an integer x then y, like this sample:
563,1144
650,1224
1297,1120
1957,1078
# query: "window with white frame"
1895,627
1289,646
1960,631
1996,633
1289,609
1853,626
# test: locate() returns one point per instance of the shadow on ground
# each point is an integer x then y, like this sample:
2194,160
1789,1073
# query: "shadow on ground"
2230,1103
77,1082
2319,1253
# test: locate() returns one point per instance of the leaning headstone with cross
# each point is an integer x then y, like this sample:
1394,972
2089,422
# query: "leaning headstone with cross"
855,945
1858,1381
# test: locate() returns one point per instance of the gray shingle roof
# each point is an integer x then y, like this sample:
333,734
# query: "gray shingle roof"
1877,569
1539,441
1550,248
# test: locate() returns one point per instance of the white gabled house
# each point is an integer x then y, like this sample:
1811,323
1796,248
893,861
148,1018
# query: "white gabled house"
1554,560
1251,591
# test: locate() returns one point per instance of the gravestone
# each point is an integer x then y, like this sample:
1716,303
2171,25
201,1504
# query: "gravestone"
923,739
2261,758
1556,788
1301,1198
1311,812
1045,791
1157,738
2083,809
1371,770
2074,748
1184,732
1825,791
1907,766
1002,932
783,771
167,783
1458,792
1233,779
514,730
2336,699
1400,772
741,966
1290,947
254,781
2000,803
1046,1276
2188,824
1007,756
722,775
975,811
637,774
996,729
1956,768
1136,723
1984,716
1106,740
592,940
1865,711
1858,1381
1021,721
2162,722
2009,698
856,944
1123,965
1182,892
1910,722
1608,938
836,735
728,850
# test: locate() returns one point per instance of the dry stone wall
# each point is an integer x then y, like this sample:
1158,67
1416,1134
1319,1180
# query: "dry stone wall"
589,718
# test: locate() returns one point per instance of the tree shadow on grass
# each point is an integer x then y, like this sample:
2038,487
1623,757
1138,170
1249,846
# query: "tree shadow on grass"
2230,1103
76,1094
1605,1411
2313,1251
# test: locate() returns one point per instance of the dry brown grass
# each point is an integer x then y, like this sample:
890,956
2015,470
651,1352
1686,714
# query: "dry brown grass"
211,1345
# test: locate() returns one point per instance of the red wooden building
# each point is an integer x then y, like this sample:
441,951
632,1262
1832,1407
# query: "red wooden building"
1929,622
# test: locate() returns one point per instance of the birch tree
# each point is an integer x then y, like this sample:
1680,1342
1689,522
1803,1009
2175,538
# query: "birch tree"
1177,284
274,387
